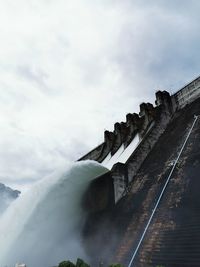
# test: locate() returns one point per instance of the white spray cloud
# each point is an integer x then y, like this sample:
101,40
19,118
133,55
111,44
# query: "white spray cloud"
44,225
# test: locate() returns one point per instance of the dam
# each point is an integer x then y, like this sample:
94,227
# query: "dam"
145,210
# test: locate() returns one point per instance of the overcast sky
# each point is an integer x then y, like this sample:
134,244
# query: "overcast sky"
70,69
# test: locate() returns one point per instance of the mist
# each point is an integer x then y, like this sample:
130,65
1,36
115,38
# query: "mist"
47,220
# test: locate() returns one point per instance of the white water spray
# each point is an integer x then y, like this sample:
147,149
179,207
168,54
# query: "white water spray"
43,226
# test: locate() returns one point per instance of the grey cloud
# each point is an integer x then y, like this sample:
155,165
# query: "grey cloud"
164,47
38,76
57,99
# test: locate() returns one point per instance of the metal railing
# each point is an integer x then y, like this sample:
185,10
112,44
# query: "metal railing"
161,194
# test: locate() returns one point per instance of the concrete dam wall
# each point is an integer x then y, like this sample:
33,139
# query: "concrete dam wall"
146,127
120,202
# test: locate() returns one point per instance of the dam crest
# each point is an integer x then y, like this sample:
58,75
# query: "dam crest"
125,149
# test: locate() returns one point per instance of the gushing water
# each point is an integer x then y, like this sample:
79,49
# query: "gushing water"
43,226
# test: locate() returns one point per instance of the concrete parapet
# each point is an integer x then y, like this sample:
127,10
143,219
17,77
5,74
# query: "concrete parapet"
187,94
133,124
118,138
125,175
93,154
109,139
124,130
147,114
164,98
142,151
149,124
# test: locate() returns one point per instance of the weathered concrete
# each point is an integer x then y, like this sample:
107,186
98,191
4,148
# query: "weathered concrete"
121,226
150,123
99,195
135,186
187,94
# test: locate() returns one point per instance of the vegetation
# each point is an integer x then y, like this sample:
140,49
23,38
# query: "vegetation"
66,264
81,263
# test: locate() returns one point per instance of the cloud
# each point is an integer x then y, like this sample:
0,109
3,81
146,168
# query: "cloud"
70,69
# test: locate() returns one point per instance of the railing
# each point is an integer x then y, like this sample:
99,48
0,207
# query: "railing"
188,93
131,263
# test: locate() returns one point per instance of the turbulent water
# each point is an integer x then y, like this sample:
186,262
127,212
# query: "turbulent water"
43,226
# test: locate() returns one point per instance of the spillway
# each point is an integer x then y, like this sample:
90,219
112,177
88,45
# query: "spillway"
43,226
122,154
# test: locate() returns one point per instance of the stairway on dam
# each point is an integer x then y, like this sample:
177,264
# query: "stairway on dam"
120,203
173,238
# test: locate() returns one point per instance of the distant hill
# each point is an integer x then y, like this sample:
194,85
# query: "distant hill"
7,195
